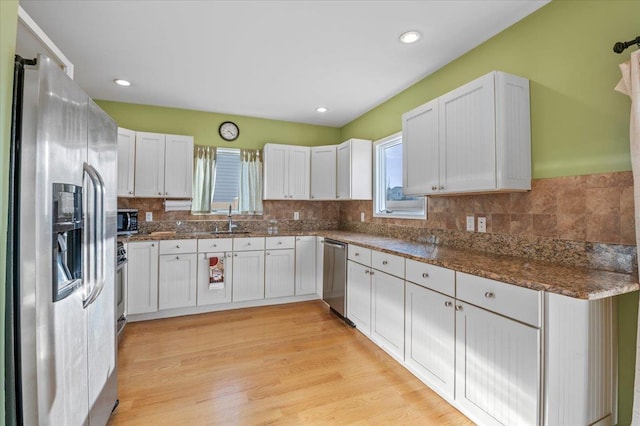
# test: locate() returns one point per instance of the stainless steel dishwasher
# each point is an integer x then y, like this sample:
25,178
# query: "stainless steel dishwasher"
334,281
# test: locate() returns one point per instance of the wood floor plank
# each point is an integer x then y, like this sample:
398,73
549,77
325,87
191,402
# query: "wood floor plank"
293,364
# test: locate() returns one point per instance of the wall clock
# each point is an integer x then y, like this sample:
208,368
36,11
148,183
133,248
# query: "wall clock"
229,131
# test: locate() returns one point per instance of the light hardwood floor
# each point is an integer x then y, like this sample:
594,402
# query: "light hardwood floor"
293,364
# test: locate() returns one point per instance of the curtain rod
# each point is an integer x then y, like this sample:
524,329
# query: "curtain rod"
621,45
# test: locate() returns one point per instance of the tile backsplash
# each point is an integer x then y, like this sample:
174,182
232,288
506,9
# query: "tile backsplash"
576,220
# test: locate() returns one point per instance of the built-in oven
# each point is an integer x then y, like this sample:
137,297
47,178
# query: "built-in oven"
121,288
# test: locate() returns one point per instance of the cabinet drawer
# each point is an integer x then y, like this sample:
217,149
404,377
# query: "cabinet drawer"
215,245
519,303
280,243
432,277
389,263
252,243
178,246
359,254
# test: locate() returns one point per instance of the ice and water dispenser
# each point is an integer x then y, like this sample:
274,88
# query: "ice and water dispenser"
67,237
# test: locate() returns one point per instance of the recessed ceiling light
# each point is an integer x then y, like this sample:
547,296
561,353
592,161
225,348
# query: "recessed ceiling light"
322,109
410,37
121,82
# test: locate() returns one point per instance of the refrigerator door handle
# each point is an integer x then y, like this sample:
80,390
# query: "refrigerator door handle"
99,224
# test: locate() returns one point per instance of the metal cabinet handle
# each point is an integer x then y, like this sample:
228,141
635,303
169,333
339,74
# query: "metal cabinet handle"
177,246
384,262
441,187
371,272
235,255
357,254
279,242
177,257
153,245
434,188
130,192
366,271
159,193
166,193
425,275
248,244
489,295
458,307
268,254
448,304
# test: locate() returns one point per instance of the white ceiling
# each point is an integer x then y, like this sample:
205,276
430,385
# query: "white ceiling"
271,59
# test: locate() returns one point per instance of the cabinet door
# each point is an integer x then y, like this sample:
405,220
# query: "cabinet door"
299,172
276,177
359,296
142,277
279,273
211,293
248,276
177,281
323,173
178,176
305,265
126,161
343,189
319,264
467,137
420,162
430,337
387,312
149,173
497,367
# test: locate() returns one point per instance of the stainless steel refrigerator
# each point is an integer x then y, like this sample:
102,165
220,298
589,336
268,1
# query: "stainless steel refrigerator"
62,236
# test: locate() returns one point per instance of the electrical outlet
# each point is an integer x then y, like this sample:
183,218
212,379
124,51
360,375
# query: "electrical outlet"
482,224
148,217
296,215
361,216
471,223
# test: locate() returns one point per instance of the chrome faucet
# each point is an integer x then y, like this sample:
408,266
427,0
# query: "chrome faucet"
232,225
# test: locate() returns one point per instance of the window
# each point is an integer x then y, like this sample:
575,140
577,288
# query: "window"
388,198
224,177
227,181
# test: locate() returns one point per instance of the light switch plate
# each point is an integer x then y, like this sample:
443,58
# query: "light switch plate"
361,216
482,224
148,217
296,215
471,223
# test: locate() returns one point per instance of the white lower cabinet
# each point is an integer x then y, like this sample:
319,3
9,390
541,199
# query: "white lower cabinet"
497,368
359,296
305,265
177,281
248,275
142,277
279,273
430,338
387,312
211,292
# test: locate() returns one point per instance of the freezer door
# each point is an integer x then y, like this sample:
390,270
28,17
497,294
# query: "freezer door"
52,334
102,156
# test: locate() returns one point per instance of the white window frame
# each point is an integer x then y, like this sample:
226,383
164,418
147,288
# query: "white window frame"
379,187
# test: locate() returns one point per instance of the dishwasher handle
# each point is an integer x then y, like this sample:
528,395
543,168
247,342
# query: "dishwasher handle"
334,245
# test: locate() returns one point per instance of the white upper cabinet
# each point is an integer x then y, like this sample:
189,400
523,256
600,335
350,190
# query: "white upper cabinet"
149,165
354,166
163,166
126,161
323,172
178,176
476,138
286,172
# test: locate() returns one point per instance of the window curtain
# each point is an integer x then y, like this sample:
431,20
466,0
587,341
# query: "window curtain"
250,181
204,178
630,85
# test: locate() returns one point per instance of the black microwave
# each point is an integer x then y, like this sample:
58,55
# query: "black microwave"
127,221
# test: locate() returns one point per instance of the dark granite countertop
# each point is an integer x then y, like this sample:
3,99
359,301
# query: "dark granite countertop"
576,282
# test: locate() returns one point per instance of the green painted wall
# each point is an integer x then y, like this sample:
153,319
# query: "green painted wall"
254,132
8,26
579,124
